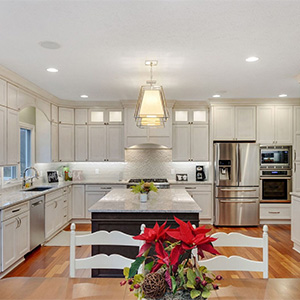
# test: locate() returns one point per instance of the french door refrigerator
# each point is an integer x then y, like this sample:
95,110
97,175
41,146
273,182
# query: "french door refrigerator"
236,184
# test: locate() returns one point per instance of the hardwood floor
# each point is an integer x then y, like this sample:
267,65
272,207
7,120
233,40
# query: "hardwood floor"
284,262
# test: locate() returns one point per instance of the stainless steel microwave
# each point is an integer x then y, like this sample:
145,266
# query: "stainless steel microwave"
275,157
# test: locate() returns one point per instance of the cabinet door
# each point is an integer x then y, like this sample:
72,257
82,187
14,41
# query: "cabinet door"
9,232
54,113
96,116
12,96
90,199
181,116
133,134
114,116
204,200
97,142
284,125
81,116
199,116
3,92
22,235
54,142
78,205
50,218
223,123
115,142
181,143
66,115
2,135
199,142
245,123
13,139
81,143
296,177
295,220
66,142
265,125
59,213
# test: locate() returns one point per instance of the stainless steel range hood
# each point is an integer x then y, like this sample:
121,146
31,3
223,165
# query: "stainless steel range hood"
148,146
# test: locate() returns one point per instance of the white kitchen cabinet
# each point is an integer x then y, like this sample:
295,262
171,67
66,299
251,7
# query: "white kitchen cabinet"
54,113
296,176
275,125
275,213
295,222
78,203
105,116
234,123
90,199
190,116
3,112
12,96
13,137
190,143
97,142
65,115
50,218
54,142
66,142
296,156
81,143
81,116
3,99
96,116
115,143
15,234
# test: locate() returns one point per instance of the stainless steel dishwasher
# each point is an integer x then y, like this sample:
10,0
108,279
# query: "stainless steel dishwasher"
37,222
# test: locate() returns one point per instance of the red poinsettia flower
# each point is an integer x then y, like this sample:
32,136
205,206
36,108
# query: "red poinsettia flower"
191,237
152,235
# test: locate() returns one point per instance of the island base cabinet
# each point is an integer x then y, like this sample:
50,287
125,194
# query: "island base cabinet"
15,239
130,223
295,223
78,203
204,200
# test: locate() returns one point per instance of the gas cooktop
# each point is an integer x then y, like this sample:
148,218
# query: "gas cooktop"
154,180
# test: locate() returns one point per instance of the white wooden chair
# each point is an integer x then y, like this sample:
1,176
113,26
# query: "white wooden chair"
237,263
101,261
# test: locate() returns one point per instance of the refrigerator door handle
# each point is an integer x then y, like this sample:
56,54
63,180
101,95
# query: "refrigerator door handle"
238,164
238,201
233,190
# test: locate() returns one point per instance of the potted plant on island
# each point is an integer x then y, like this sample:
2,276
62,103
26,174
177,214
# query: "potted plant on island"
143,188
166,273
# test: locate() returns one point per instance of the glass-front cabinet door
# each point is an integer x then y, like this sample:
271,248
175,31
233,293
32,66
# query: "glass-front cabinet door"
105,116
190,116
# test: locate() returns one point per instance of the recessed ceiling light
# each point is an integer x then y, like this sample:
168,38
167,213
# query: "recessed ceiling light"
49,45
52,70
216,96
282,95
84,96
252,59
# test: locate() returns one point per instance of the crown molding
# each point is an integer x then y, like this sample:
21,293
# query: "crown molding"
255,101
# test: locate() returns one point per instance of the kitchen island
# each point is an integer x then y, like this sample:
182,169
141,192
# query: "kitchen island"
122,210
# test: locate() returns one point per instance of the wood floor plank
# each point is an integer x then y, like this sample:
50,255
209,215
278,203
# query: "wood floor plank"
284,262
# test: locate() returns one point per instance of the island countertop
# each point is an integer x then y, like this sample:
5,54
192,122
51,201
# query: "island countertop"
165,200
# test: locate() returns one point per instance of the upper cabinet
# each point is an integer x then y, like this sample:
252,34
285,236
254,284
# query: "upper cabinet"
66,115
137,136
54,113
81,116
3,98
190,116
105,116
231,123
12,96
275,125
13,137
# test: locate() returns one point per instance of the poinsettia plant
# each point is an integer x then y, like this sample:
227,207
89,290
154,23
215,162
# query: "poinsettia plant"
168,268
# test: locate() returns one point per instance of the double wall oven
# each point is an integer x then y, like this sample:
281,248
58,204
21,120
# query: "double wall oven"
275,174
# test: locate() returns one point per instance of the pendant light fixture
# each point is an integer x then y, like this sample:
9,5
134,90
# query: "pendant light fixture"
151,109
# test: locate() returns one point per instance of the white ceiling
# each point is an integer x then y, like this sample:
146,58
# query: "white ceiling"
200,46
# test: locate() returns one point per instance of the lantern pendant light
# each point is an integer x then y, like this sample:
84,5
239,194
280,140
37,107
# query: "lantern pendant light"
151,109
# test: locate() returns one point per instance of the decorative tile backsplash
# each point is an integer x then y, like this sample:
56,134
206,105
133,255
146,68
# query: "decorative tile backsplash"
139,163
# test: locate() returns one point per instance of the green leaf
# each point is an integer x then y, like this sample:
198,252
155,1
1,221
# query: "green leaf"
135,266
138,278
203,269
191,275
149,266
195,293
174,284
190,285
205,294
126,272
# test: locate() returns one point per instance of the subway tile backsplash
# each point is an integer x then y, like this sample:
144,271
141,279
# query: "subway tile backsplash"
139,163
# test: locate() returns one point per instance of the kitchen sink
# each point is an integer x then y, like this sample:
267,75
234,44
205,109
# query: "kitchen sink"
38,189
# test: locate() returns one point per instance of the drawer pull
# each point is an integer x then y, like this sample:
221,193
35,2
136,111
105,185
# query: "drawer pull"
274,212
16,210
65,216
232,190
190,188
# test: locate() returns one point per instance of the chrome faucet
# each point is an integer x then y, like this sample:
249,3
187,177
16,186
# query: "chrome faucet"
30,178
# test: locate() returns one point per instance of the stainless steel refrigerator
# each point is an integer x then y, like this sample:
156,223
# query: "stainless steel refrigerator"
236,184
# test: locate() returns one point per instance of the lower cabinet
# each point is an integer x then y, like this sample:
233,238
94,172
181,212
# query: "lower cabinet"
275,213
295,222
15,234
78,203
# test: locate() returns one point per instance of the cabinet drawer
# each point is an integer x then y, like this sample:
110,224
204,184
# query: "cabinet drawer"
192,187
14,211
65,215
65,201
275,211
54,195
97,187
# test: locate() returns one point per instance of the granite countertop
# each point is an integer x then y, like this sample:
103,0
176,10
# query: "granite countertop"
189,182
297,194
11,198
166,200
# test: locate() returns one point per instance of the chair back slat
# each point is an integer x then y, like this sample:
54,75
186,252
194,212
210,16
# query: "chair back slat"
101,261
236,239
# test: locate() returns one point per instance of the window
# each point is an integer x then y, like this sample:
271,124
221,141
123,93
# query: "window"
9,173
